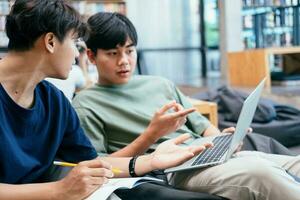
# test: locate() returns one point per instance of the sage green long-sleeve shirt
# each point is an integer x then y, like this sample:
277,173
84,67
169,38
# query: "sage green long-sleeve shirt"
114,116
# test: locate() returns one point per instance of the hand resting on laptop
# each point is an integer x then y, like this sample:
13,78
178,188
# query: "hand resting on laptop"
231,130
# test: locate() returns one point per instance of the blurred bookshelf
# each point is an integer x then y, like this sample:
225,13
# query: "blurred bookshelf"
4,10
271,23
89,7
85,7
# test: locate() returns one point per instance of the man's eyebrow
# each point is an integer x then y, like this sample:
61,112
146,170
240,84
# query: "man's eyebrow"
130,45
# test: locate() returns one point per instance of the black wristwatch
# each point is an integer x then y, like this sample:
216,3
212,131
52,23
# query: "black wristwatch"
132,166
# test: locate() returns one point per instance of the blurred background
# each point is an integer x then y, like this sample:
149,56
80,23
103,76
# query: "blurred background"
208,43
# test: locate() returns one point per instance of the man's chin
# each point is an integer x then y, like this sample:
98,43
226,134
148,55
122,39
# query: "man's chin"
124,81
61,77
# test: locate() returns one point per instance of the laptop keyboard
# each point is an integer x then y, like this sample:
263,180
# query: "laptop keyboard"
214,153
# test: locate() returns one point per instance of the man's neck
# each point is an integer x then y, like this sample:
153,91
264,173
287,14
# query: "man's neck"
19,76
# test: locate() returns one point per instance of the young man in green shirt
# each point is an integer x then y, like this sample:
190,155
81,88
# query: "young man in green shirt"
125,115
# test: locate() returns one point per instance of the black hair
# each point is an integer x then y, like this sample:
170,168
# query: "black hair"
107,30
30,19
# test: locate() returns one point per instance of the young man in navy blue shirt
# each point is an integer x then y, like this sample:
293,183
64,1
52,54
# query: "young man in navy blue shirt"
38,123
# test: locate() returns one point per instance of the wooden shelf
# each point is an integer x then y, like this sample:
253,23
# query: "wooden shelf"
283,50
248,68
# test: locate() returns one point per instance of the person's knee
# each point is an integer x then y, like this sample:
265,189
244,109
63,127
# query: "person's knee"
258,172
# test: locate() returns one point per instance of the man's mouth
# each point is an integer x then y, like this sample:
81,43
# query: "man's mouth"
123,72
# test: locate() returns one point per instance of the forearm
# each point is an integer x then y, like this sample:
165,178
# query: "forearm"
143,165
161,124
139,146
210,131
167,154
29,191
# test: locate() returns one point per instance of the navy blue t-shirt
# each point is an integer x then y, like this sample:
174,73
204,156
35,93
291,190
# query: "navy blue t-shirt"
30,139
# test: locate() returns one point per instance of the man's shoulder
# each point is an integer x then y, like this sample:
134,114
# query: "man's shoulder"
52,96
87,92
86,95
47,88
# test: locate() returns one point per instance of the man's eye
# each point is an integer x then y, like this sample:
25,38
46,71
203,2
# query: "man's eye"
112,53
130,50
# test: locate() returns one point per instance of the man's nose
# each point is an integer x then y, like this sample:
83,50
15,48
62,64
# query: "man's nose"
123,60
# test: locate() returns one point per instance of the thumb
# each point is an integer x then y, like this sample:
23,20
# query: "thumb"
166,107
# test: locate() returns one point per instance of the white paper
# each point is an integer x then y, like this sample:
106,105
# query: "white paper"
107,189
113,196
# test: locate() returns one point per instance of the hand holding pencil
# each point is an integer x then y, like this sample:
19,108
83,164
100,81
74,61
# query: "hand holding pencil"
84,178
68,164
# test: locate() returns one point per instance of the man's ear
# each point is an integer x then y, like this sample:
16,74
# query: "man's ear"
91,55
50,42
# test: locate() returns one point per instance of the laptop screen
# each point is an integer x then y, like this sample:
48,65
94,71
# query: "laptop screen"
245,118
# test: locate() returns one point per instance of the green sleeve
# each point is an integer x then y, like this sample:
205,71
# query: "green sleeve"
94,129
195,121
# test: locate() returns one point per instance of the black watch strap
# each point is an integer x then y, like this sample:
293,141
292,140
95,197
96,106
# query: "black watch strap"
132,166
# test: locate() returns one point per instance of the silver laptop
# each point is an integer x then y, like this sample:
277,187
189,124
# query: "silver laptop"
224,145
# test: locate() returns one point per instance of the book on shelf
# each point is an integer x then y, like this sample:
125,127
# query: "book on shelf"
286,83
271,23
88,8
270,2
105,191
281,78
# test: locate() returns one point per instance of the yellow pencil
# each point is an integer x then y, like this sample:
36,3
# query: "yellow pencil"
64,164
67,164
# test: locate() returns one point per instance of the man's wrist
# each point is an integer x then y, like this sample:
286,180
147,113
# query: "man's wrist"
144,165
150,136
210,131
58,190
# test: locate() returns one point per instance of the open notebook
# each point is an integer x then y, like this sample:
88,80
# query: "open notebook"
116,183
